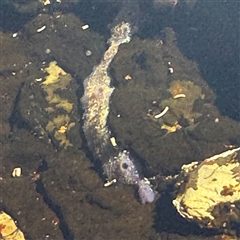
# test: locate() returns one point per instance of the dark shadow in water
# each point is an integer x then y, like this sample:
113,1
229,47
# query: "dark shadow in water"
15,14
67,234
167,219
16,119
209,34
11,20
98,14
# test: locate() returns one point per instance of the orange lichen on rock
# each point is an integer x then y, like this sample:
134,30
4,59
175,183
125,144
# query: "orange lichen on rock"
185,87
227,190
2,226
184,94
177,88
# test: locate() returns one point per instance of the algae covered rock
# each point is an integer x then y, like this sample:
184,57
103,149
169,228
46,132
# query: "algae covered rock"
57,79
50,108
210,191
184,94
8,228
181,104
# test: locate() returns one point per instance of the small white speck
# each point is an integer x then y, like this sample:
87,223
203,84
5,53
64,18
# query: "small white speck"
88,53
46,2
47,51
84,27
181,95
161,114
41,29
216,120
38,79
170,70
15,34
113,141
109,183
17,172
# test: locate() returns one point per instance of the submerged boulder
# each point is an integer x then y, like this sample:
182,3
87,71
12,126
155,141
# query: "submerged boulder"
209,192
8,228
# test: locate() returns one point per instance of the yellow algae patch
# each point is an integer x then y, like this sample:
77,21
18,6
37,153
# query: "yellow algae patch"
171,129
8,228
61,137
57,122
55,83
57,79
54,72
64,104
59,126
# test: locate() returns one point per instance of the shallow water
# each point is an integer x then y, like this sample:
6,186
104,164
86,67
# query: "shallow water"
70,194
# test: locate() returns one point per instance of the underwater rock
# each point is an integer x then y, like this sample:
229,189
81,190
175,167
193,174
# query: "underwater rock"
8,228
209,191
164,143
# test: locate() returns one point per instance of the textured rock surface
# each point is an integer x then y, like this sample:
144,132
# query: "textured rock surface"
210,191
